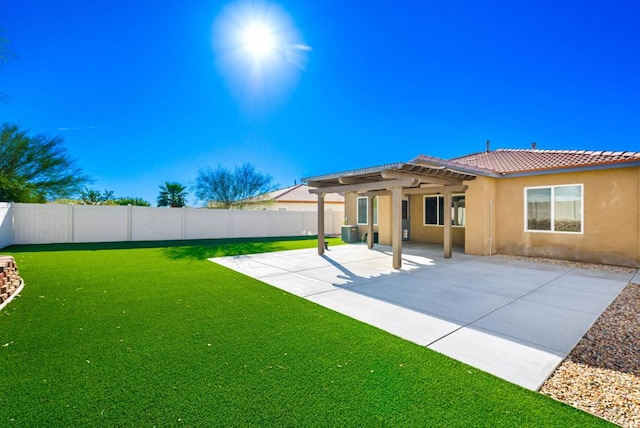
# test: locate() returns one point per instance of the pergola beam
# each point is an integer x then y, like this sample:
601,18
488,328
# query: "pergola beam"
398,175
435,189
376,185
378,193
350,180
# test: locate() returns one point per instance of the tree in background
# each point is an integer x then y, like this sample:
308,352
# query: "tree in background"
223,188
172,195
95,197
136,202
36,168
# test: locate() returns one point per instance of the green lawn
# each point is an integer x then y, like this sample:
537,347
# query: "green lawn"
152,334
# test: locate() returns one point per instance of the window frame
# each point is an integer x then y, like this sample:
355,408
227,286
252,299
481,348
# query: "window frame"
366,210
438,213
552,209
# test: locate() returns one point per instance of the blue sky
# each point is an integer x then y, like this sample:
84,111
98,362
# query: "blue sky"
150,91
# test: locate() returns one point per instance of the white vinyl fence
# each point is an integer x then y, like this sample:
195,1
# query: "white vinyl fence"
5,224
51,223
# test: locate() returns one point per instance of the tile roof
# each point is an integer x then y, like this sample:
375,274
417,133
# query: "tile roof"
509,161
300,193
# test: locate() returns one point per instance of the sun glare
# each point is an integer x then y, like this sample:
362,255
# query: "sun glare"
259,40
259,50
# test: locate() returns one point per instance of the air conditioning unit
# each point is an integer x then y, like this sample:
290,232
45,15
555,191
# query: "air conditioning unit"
349,233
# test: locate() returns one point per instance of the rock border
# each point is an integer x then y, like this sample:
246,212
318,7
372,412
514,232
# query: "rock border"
10,282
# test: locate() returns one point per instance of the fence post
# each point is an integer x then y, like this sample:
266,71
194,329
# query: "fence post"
129,222
184,223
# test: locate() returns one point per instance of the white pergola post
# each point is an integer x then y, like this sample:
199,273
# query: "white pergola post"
396,226
370,221
447,224
320,223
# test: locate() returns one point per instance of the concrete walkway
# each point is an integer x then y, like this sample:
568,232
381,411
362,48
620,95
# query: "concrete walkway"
514,319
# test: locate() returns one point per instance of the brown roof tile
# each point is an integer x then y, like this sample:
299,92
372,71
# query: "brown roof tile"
507,161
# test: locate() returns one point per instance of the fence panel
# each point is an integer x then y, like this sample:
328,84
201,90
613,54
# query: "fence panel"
42,224
51,223
93,223
249,224
208,224
287,223
157,224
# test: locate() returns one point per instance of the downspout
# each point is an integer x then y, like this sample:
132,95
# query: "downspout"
490,227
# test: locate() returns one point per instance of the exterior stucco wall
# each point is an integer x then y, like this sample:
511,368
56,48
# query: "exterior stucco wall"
431,234
480,199
350,208
611,218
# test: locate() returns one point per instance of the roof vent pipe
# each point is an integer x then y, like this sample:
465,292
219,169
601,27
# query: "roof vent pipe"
488,146
533,145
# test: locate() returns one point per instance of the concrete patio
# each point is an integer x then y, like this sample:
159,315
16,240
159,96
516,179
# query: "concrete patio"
514,319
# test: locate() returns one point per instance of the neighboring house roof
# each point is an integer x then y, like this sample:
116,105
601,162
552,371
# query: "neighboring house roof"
514,161
300,193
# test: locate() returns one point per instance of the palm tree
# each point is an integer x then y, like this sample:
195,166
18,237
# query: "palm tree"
172,194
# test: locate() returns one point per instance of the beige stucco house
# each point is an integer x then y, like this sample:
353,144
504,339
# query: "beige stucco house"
298,198
566,204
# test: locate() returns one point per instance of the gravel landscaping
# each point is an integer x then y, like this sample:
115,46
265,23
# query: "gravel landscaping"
601,375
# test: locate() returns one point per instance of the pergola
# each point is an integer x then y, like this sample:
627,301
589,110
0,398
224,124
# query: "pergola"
396,179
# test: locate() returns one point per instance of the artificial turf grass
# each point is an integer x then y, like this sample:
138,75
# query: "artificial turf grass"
136,337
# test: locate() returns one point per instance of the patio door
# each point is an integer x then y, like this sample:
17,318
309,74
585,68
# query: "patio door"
406,235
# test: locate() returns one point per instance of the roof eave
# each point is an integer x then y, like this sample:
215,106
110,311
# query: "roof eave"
336,175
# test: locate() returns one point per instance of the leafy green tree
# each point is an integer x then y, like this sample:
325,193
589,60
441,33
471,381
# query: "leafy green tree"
223,188
95,197
36,168
172,194
136,202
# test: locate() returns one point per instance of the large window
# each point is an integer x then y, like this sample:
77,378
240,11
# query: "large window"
434,210
363,202
554,209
